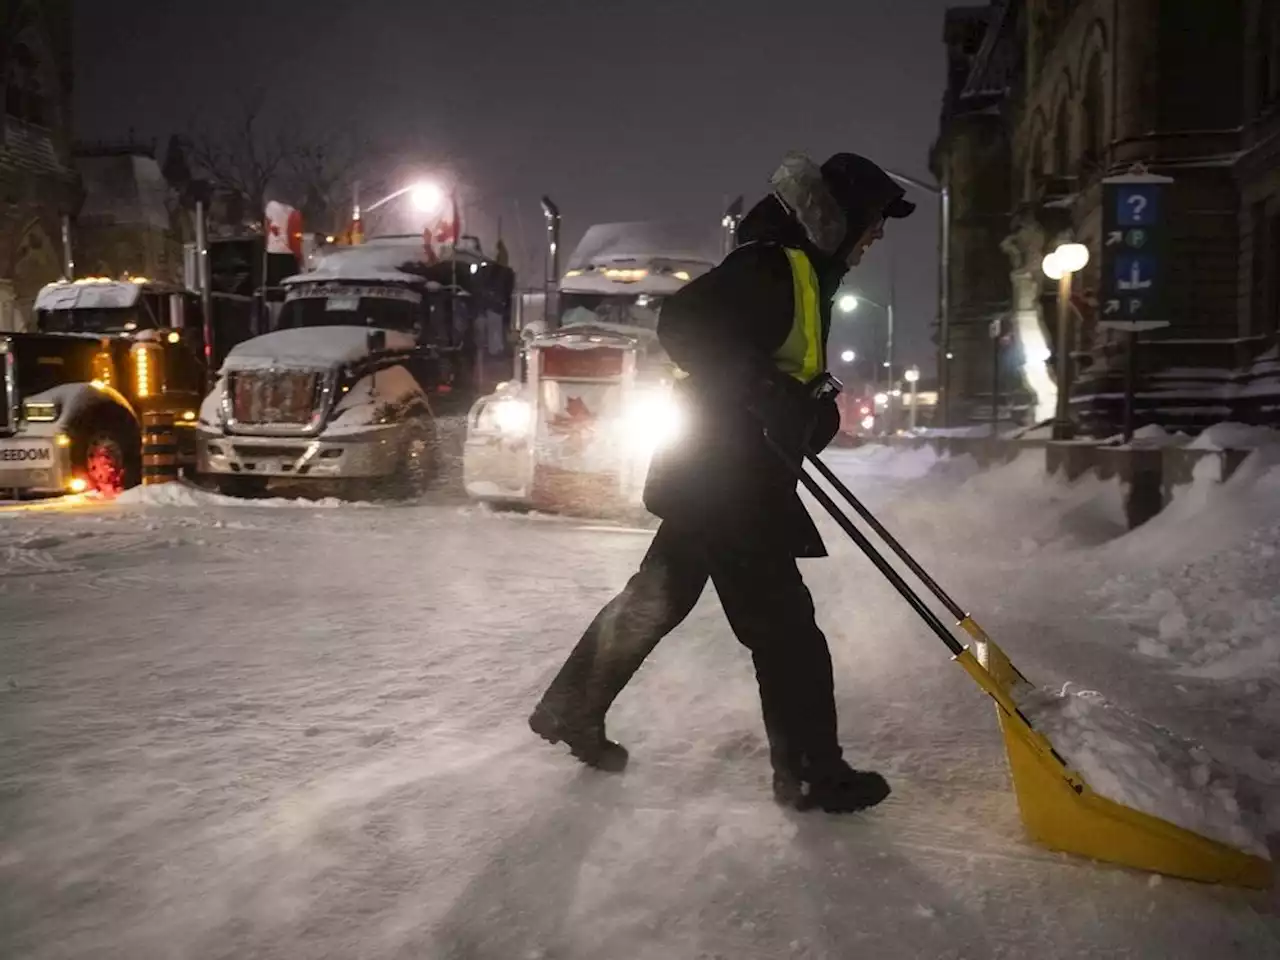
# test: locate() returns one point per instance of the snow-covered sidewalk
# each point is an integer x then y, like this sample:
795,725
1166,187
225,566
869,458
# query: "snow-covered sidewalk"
238,730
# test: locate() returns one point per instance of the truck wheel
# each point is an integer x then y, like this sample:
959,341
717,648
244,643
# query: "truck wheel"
245,488
107,455
418,464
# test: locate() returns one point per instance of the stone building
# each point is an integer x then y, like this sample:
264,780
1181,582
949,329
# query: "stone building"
38,185
129,222
1047,97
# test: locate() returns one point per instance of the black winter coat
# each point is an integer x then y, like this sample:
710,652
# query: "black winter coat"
722,329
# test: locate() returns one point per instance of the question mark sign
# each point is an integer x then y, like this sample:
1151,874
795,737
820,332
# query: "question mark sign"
1139,203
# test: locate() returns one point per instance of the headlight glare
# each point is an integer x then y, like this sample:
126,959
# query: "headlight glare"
655,420
512,416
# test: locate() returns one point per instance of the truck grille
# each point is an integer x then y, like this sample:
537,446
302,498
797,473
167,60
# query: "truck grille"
8,389
270,397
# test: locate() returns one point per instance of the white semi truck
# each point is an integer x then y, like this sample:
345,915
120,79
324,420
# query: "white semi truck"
367,349
575,431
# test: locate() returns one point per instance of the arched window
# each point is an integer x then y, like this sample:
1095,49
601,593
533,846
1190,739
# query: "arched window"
24,95
1062,142
1094,111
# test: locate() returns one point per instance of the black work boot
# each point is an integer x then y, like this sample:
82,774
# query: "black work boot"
585,739
834,787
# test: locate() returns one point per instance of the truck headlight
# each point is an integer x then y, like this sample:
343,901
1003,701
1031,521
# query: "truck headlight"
654,420
40,411
512,416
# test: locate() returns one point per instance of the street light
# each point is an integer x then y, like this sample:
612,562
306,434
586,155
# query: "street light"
912,377
1068,259
848,356
943,193
425,195
849,302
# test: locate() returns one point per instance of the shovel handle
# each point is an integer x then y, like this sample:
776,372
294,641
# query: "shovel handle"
899,550
864,544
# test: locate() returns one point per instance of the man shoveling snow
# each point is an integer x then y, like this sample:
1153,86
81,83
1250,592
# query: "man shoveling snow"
751,335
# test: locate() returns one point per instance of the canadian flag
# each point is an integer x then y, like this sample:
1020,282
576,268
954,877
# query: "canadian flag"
448,228
284,229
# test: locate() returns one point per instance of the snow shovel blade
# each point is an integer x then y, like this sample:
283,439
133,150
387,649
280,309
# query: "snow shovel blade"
1062,812
1059,808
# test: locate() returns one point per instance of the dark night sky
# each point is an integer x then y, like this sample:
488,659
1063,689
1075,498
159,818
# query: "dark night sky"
618,110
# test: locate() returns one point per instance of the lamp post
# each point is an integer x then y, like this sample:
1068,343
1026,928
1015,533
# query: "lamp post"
426,197
943,193
1061,265
913,377
849,303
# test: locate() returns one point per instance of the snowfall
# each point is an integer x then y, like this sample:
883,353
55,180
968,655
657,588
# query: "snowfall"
296,729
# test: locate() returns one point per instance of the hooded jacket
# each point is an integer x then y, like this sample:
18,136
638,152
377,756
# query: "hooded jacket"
723,329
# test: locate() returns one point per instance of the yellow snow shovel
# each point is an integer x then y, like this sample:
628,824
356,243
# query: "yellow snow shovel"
1057,805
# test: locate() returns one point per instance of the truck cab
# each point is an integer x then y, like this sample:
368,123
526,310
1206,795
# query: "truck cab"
368,348
575,432
104,353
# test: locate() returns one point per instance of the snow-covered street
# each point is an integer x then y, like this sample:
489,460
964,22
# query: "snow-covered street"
237,729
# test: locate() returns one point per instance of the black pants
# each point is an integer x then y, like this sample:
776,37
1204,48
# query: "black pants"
770,611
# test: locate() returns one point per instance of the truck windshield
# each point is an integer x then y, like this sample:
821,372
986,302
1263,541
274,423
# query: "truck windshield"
109,321
335,310
635,310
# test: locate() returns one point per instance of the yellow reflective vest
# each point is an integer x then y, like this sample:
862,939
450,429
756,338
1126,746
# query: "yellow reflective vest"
803,354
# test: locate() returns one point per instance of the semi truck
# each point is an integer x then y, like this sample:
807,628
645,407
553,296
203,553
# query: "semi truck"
575,430
370,348
105,352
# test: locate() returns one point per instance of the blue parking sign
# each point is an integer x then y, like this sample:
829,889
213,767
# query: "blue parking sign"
1137,205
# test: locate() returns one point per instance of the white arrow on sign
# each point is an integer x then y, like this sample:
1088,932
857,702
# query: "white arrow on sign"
1113,306
1115,237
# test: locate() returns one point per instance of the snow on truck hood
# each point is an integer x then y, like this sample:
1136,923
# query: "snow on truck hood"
308,348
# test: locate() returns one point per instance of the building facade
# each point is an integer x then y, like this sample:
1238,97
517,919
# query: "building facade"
38,185
1048,97
130,222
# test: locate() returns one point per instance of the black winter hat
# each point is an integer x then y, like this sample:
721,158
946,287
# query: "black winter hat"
863,189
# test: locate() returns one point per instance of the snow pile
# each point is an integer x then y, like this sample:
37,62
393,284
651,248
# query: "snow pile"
1152,436
1235,436
881,461
1140,765
1016,502
1204,592
182,495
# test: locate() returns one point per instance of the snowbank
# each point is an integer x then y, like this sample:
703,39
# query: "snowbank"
1135,763
1197,582
182,495
1235,436
959,502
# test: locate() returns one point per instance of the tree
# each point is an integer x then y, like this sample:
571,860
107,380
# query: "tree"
319,175
243,157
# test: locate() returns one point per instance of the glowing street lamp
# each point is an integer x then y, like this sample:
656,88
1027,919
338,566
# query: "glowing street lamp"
1068,259
912,376
426,197
848,356
847,303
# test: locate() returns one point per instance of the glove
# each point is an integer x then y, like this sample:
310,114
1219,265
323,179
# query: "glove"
787,411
